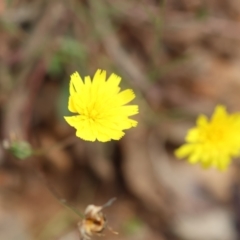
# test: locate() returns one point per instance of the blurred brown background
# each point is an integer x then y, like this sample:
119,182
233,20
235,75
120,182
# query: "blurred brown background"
181,58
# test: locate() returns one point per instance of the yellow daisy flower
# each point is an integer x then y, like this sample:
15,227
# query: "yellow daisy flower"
213,142
102,114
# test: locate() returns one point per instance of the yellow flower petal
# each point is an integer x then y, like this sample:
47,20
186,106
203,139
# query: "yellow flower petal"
121,111
112,132
71,105
76,83
98,80
74,121
193,135
112,83
184,150
219,114
223,162
202,121
125,97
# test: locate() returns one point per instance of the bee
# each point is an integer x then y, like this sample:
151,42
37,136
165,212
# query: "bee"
94,222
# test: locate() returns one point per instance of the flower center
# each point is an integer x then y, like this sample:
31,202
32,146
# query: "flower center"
215,134
93,114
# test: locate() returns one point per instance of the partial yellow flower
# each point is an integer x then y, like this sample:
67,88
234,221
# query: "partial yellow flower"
213,142
100,107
